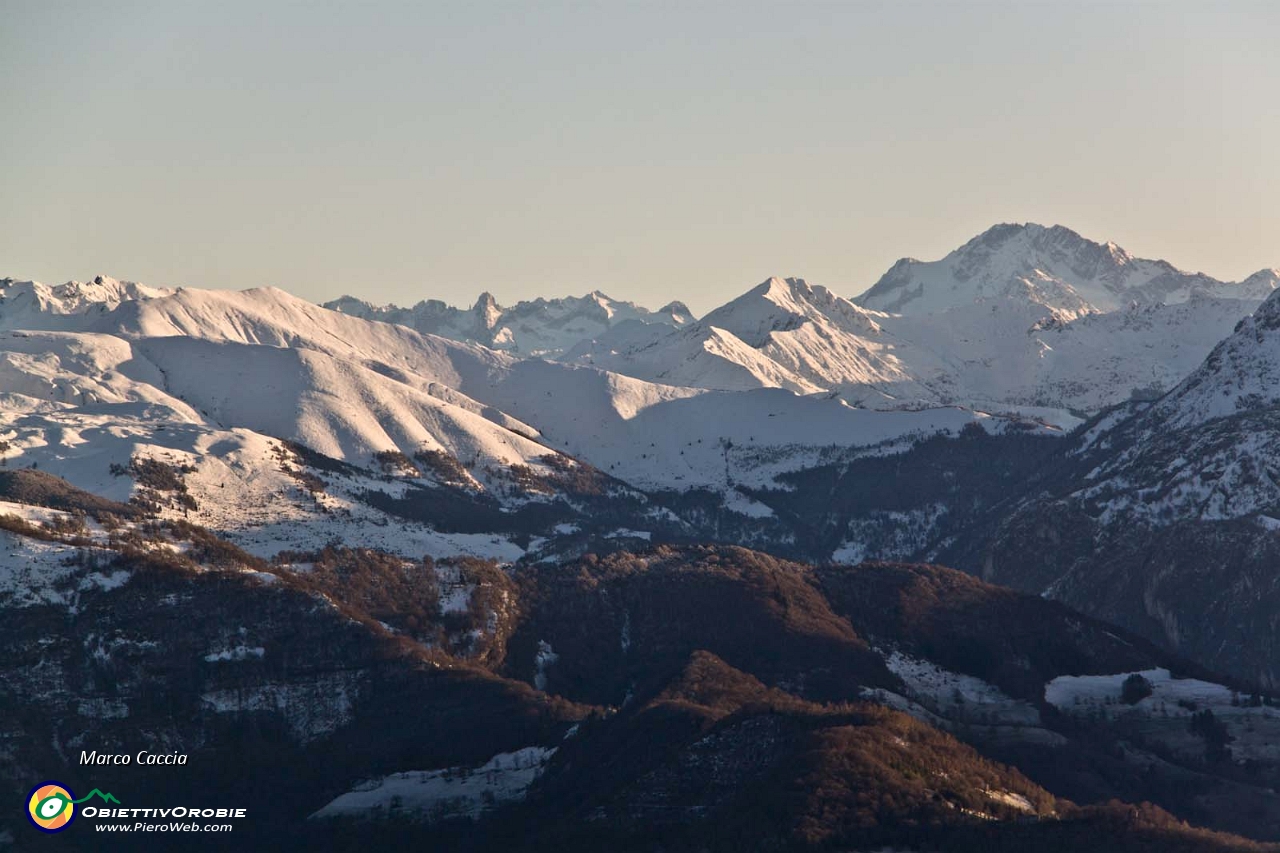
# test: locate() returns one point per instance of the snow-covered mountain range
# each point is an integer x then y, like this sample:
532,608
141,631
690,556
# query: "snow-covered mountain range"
1024,321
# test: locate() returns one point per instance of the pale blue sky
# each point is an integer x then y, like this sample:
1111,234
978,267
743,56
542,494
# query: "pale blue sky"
400,151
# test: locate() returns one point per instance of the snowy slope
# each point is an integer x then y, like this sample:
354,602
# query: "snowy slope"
662,436
1242,374
67,368
238,480
781,305
267,362
1007,352
698,356
1205,451
822,337
340,408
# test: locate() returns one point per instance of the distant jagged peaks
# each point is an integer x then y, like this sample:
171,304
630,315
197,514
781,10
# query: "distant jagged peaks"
678,312
1054,267
542,327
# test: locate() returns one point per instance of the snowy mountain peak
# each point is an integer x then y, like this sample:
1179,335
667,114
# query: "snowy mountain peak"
786,293
1027,237
784,304
1052,267
776,285
677,312
1000,233
1033,234
1118,255
602,304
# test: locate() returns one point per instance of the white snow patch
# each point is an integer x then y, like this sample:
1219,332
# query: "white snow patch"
451,792
237,653
1089,693
955,694
98,580
1009,798
626,533
544,658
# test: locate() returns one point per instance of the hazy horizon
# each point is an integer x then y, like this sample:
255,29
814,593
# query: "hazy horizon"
400,152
